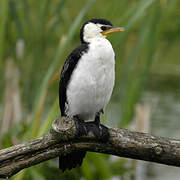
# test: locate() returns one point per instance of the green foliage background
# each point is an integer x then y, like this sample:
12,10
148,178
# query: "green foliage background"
49,31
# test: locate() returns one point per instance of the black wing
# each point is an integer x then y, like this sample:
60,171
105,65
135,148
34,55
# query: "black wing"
66,72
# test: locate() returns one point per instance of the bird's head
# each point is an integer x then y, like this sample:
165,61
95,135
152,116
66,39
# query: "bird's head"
95,28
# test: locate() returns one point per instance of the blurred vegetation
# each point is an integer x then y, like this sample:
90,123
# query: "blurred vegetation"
35,39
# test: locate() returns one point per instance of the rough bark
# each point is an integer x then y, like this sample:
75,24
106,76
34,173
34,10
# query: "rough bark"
63,138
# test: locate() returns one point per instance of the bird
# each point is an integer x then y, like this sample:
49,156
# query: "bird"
87,81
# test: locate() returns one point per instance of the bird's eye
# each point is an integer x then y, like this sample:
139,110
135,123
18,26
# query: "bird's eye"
104,28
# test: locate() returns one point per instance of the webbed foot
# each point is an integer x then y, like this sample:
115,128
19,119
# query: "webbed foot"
100,131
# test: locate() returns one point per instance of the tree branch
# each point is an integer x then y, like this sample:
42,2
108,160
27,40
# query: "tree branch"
63,139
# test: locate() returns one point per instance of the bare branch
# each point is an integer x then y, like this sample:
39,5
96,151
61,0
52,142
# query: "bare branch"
62,139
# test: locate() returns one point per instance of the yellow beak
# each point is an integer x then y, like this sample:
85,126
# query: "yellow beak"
112,30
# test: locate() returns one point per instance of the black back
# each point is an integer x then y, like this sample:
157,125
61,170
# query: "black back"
66,73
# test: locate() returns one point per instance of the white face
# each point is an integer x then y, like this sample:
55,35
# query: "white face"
91,31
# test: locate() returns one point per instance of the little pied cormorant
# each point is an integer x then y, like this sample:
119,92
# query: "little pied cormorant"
87,80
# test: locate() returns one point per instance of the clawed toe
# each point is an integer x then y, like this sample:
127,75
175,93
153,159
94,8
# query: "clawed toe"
81,127
104,133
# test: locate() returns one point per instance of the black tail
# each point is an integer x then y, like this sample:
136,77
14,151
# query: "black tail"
71,160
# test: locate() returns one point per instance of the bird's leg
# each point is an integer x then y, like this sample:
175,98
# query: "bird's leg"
101,132
80,126
97,119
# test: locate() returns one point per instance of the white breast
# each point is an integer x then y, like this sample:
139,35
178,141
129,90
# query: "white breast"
92,81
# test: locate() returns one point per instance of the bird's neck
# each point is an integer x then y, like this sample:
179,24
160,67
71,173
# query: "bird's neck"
102,48
90,39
